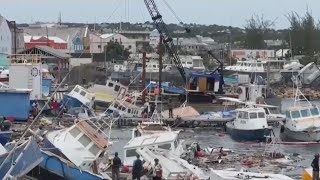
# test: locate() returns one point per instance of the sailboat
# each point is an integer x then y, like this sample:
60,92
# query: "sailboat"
302,120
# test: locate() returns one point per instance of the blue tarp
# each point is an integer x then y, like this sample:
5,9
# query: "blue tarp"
15,104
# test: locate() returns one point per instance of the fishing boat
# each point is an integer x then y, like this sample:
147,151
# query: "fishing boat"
105,94
124,108
76,152
164,140
78,97
25,155
242,174
302,120
250,124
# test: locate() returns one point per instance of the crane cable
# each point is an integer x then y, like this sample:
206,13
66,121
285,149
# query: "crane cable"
173,12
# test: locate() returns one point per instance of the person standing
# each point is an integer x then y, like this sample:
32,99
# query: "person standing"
137,168
315,167
116,163
55,108
157,170
170,107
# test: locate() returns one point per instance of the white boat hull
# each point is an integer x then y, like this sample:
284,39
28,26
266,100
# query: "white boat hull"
304,136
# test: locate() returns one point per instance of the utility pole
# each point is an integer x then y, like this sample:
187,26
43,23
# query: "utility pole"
15,36
160,52
144,59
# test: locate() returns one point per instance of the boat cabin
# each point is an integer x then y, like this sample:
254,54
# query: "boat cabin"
82,143
149,127
303,117
204,83
80,96
164,140
250,118
124,109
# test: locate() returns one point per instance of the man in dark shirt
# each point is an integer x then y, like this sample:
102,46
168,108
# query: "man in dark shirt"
137,168
315,167
116,163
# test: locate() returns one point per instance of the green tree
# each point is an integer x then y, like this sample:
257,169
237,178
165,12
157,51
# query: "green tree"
115,51
304,34
256,29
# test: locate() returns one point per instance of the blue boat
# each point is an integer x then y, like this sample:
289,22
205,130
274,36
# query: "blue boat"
5,137
167,88
78,97
250,124
64,168
17,162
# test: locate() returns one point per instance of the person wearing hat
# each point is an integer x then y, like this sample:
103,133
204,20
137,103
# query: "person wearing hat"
315,167
157,170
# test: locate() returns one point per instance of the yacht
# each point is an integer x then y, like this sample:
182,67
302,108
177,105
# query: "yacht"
250,124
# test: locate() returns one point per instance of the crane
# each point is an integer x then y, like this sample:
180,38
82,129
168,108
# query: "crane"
166,38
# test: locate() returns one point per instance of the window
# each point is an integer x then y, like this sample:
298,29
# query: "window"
164,146
94,150
314,111
99,46
295,114
129,110
77,90
83,93
189,62
84,140
261,115
154,66
240,116
245,115
116,105
288,115
74,132
305,113
116,88
253,115
129,46
110,85
131,153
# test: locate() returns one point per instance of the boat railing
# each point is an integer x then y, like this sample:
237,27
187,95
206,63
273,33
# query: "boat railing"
25,59
100,125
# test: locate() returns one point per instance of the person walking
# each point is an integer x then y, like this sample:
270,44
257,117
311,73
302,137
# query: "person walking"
170,107
116,163
315,167
157,170
137,168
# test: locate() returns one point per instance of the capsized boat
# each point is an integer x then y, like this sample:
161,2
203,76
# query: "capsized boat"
233,175
76,152
173,167
164,140
250,124
25,155
77,97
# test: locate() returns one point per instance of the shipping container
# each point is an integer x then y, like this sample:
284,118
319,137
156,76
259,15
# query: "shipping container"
15,103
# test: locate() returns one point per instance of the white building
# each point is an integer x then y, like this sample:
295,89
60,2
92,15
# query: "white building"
5,42
154,38
252,53
122,40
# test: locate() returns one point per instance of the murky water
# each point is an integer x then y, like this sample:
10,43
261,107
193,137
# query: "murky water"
217,138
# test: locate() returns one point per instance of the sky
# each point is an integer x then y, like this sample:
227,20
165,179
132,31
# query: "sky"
221,12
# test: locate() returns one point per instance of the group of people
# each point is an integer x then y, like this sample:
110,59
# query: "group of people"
149,109
137,169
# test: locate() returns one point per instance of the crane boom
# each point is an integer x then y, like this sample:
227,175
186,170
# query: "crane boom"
164,33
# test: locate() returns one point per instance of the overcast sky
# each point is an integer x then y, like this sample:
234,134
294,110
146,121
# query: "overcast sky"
221,12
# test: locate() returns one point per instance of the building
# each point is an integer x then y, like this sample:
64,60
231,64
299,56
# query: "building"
141,39
154,38
17,35
94,44
50,41
5,42
252,53
127,43
74,36
197,45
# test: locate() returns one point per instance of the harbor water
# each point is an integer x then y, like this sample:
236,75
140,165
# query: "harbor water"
218,138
